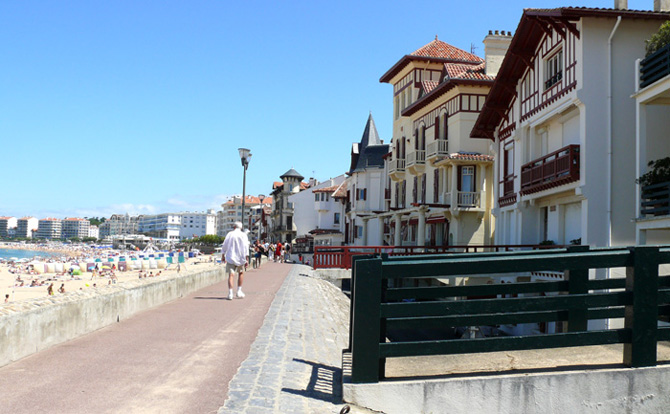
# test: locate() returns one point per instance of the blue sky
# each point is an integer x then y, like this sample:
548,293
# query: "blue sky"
140,106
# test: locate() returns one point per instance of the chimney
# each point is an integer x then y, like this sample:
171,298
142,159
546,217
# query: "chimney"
661,5
495,47
621,4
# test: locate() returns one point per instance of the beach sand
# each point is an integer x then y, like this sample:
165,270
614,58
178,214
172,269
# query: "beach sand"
7,279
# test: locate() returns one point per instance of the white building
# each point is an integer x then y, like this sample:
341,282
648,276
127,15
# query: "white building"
365,189
317,214
6,225
561,120
74,228
197,224
26,227
232,212
282,227
165,226
94,232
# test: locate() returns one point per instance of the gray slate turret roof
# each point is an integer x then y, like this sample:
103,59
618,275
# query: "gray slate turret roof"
369,152
292,174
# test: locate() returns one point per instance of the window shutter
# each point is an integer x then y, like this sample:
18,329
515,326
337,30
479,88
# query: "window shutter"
365,194
460,177
474,178
416,139
397,193
423,188
437,128
414,189
436,185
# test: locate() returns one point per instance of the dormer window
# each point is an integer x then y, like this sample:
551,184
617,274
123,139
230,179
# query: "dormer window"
553,69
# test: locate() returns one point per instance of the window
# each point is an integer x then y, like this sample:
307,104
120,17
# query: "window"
468,179
359,232
553,72
336,218
316,197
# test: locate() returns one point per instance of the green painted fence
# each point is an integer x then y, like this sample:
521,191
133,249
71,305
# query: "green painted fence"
641,297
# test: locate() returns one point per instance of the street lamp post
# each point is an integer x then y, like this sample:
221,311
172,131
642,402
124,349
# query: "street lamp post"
261,197
245,155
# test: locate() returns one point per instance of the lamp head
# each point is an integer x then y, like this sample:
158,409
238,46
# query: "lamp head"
245,155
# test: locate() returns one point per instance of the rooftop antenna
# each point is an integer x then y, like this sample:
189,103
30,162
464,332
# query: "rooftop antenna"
472,48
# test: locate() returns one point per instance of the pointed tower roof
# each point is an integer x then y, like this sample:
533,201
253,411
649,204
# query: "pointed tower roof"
370,135
368,152
292,174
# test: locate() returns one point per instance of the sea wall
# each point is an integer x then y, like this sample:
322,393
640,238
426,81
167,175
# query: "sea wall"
33,325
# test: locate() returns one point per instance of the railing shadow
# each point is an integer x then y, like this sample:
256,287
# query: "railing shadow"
325,383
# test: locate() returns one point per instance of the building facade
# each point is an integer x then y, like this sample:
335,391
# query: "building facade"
6,226
166,226
197,224
49,228
74,228
26,227
119,224
232,212
283,228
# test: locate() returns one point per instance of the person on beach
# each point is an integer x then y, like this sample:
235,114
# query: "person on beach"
7,298
234,253
50,290
61,289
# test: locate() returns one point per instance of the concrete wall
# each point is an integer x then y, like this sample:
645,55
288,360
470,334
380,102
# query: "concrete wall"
31,326
641,390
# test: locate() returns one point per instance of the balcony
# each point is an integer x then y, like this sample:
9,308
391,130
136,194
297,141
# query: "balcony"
553,170
655,200
508,195
464,199
397,169
437,149
655,66
416,162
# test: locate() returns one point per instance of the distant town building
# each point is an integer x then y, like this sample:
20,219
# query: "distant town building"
319,217
161,226
232,212
283,227
26,227
6,225
94,232
119,224
74,228
49,228
197,224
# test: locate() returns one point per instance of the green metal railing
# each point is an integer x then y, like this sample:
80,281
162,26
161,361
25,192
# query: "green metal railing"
655,66
640,298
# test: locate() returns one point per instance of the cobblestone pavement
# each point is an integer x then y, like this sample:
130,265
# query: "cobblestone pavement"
294,365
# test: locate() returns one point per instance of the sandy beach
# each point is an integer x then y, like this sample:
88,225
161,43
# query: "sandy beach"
72,283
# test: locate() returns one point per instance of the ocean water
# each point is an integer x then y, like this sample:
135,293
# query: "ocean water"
22,254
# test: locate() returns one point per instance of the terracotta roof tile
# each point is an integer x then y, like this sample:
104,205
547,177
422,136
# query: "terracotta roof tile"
428,85
440,49
464,156
326,189
471,72
341,192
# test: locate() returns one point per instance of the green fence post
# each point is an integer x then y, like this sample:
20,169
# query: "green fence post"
365,332
578,283
641,317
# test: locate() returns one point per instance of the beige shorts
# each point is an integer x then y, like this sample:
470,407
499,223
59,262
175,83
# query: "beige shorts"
233,268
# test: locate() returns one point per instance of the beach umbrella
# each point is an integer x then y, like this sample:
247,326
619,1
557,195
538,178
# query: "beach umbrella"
98,260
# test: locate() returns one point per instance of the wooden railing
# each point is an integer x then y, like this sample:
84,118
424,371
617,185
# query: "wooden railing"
655,66
340,257
558,168
655,200
641,297
416,157
397,165
437,148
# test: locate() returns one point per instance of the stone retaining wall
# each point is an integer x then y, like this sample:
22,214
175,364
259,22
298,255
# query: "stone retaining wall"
36,324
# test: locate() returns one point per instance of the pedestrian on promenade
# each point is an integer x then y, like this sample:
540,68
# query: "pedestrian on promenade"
234,252
278,252
287,250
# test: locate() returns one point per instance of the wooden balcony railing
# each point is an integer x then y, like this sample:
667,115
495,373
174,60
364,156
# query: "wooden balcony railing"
397,165
655,66
655,200
558,168
508,195
416,157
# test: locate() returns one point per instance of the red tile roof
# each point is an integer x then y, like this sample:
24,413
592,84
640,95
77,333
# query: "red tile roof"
341,192
435,51
440,49
326,189
467,156
461,71
428,86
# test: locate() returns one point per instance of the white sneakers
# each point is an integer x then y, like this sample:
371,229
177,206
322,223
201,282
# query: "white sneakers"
240,294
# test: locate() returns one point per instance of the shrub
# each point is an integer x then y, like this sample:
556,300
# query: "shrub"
659,173
659,39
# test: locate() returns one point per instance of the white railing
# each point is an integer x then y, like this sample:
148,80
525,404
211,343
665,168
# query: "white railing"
439,147
397,165
468,199
416,157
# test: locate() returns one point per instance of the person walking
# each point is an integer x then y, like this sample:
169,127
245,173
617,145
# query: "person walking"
234,252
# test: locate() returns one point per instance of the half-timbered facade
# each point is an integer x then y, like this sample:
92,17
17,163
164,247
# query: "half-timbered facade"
563,124
439,186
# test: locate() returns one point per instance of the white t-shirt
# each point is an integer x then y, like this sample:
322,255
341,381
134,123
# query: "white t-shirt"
236,247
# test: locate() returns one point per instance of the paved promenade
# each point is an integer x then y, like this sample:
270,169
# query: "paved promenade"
294,365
